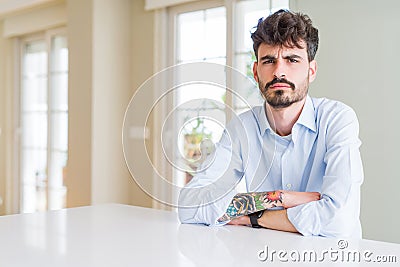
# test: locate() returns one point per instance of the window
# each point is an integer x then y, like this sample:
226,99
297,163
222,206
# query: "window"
219,32
200,36
43,121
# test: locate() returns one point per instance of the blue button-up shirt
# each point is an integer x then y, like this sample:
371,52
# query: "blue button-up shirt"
321,154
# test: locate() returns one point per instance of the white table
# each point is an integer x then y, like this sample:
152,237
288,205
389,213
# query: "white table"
121,235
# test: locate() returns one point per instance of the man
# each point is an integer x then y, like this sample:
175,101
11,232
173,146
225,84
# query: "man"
298,155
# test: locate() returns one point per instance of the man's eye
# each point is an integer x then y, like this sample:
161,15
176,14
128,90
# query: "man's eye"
292,60
270,61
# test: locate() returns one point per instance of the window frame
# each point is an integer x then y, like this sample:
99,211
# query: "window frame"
47,36
164,56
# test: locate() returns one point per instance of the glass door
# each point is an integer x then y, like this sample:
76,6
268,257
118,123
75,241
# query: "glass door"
201,37
43,122
217,32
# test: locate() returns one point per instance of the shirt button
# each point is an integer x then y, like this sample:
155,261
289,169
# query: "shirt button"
288,186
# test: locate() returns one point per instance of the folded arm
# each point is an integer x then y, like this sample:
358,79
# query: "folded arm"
336,214
247,203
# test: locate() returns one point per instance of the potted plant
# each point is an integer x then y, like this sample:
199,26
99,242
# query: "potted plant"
195,149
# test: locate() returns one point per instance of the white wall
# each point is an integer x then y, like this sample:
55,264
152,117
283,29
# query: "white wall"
358,64
79,167
2,123
110,47
111,92
142,68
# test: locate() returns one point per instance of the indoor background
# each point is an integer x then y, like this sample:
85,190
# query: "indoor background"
114,46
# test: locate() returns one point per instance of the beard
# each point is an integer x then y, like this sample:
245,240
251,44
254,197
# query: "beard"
283,98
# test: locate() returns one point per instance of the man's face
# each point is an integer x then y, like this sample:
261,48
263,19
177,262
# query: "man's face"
283,74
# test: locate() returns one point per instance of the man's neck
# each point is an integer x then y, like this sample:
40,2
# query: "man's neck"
283,119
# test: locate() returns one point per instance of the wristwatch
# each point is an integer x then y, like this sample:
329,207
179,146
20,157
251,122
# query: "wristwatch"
254,217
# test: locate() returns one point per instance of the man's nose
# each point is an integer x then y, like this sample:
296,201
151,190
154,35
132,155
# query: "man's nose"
280,69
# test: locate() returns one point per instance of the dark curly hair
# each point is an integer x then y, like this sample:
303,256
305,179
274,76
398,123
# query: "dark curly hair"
286,28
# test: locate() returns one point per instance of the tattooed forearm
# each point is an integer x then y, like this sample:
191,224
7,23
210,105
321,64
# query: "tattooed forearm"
247,203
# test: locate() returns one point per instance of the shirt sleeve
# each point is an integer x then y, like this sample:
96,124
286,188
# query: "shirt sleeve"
336,214
207,196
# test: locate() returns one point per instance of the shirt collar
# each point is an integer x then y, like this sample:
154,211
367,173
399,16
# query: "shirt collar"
306,118
263,121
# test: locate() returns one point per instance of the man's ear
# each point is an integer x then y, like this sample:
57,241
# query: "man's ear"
255,64
312,71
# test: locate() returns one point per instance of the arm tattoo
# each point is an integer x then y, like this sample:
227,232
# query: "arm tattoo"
247,203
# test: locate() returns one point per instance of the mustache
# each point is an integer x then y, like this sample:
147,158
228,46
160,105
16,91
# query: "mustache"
279,80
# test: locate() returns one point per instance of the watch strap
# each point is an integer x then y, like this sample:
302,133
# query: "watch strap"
254,219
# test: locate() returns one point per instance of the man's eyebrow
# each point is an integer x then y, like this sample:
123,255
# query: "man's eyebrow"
271,57
268,57
290,56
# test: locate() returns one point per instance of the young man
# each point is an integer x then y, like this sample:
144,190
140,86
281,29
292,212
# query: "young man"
299,155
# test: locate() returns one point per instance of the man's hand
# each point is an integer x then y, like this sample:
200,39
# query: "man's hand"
243,220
